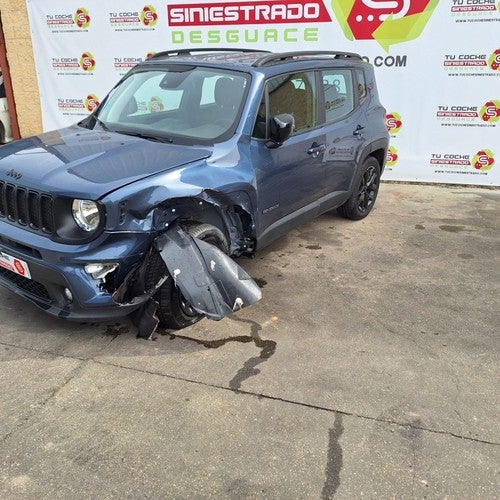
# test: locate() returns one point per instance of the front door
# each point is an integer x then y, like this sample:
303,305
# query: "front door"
290,177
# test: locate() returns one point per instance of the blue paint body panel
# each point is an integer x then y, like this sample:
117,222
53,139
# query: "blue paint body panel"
238,182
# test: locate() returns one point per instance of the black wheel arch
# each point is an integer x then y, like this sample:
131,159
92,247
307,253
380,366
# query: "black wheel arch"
378,150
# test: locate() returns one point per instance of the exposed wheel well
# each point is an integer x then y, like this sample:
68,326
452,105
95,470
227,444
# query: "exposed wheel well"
234,222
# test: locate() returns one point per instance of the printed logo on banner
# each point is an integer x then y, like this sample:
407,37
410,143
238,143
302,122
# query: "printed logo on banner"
494,60
69,22
490,112
388,61
479,163
473,64
143,20
123,64
92,102
470,116
74,66
77,106
388,22
87,62
474,11
483,160
149,17
237,13
393,123
392,157
82,18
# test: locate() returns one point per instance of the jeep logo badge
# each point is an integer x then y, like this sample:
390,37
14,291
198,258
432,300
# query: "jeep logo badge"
14,174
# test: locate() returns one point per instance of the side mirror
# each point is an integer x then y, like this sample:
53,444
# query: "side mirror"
281,127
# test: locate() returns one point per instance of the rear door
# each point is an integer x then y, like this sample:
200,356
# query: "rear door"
343,91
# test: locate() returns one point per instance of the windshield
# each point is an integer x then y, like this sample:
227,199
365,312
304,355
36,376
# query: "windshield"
175,103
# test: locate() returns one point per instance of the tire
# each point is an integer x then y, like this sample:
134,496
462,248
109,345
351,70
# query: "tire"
173,311
363,197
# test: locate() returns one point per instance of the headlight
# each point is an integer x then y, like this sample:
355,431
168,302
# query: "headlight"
100,270
86,214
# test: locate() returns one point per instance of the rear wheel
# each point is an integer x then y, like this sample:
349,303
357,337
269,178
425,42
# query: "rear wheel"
174,312
363,197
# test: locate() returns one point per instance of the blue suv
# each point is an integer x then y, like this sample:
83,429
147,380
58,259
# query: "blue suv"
194,157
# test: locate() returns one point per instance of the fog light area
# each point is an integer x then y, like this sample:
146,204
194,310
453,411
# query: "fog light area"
68,295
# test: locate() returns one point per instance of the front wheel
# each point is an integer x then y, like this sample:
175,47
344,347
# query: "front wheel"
363,197
174,312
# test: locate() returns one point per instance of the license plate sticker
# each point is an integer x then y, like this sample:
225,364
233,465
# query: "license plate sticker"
14,264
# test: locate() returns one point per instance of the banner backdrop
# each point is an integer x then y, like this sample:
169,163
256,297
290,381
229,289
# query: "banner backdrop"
437,63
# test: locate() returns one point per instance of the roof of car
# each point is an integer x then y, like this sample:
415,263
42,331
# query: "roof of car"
248,57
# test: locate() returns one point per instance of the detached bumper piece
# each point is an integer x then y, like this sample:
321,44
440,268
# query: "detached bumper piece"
212,283
210,280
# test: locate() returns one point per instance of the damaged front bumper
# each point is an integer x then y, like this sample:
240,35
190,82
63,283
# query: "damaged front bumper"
54,278
210,281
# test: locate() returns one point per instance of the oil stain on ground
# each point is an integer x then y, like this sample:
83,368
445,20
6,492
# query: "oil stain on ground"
267,349
452,229
334,461
116,329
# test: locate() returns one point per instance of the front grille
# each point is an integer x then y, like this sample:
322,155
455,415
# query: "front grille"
30,286
27,207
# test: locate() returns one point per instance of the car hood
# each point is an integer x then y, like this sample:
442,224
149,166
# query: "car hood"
88,163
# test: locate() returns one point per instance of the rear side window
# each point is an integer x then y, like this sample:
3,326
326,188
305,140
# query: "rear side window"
361,82
338,91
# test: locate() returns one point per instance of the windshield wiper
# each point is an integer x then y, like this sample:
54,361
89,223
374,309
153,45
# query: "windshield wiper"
145,136
101,123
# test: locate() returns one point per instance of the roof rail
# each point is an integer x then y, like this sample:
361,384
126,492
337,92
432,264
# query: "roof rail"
280,57
188,52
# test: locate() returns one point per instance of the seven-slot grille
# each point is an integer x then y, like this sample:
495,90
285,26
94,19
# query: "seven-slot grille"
27,207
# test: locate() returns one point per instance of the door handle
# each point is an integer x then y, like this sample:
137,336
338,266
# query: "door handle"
316,149
359,130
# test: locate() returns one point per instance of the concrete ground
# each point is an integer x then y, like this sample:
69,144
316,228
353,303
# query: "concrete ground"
370,369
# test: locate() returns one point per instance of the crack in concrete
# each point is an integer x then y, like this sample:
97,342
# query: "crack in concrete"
42,404
334,461
303,404
265,396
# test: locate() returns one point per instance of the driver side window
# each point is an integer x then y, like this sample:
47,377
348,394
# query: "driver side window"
293,94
